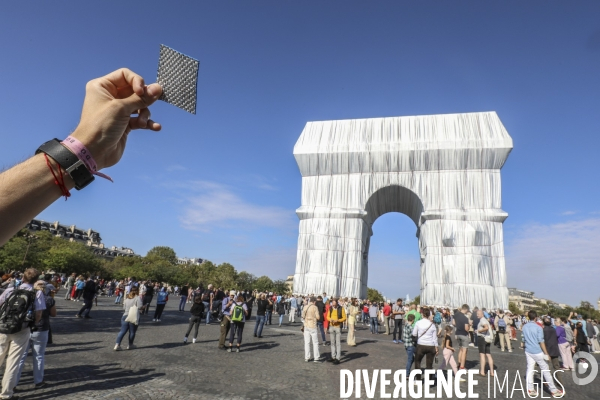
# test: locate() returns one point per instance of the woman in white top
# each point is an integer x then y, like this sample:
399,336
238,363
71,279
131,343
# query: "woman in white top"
427,341
133,298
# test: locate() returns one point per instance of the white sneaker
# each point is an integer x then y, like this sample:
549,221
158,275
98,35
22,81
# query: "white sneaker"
131,347
154,320
185,340
117,347
194,340
158,320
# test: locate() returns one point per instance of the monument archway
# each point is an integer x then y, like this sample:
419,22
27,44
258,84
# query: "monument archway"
443,171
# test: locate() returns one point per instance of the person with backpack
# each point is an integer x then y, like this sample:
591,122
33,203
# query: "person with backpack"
238,320
502,324
161,301
197,310
226,320
39,340
15,322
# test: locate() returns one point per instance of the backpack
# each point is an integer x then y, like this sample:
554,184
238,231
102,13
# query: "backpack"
501,325
437,318
16,310
237,314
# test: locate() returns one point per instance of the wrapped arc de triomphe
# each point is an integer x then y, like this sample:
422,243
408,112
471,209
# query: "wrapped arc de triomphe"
442,171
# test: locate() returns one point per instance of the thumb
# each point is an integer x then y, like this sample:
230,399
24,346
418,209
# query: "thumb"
136,102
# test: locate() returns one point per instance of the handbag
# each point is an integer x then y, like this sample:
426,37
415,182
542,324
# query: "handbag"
133,315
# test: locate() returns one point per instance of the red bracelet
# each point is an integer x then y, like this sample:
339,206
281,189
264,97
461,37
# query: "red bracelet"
59,179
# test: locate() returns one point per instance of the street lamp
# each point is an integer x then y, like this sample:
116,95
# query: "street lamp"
30,238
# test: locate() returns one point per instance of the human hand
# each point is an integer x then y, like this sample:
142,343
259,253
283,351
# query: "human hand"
106,118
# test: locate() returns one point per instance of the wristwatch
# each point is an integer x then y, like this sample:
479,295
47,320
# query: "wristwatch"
76,169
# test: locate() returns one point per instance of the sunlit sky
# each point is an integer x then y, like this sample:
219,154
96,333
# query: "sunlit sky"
224,185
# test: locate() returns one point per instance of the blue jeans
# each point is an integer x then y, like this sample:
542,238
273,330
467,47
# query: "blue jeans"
260,323
126,326
410,353
374,325
182,303
207,309
281,318
119,297
322,330
39,339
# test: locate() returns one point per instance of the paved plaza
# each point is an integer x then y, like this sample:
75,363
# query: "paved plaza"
82,364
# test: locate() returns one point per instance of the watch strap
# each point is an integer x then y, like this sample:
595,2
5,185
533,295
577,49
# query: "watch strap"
76,169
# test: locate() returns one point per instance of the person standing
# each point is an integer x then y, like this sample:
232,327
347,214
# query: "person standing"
461,322
564,345
226,320
197,310
409,345
293,309
427,342
484,343
336,317
207,298
39,340
502,324
183,297
161,301
133,299
398,317
280,308
88,293
353,312
69,286
310,316
448,351
387,311
270,306
238,320
148,296
261,311
374,315
79,285
536,353
12,346
551,342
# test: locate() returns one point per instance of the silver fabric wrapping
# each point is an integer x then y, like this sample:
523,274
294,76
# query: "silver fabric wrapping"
178,76
443,171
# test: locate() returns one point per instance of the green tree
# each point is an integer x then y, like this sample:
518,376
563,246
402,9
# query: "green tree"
512,307
280,286
224,276
416,300
263,284
374,295
70,257
164,253
245,280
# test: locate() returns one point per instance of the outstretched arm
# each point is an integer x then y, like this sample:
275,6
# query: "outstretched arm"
106,120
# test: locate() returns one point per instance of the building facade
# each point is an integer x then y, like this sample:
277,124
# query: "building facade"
89,237
523,299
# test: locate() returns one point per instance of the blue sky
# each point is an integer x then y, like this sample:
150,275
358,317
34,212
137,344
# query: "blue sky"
224,185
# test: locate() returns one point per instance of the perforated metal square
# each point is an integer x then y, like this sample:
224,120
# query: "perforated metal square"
178,76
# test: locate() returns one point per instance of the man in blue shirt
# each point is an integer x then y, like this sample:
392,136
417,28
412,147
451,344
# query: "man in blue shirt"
293,308
536,353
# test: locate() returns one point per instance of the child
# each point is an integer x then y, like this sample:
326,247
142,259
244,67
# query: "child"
448,352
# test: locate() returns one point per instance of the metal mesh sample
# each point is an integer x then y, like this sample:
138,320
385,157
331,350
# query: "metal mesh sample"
178,76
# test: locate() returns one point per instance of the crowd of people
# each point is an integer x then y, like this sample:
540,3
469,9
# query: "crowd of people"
425,332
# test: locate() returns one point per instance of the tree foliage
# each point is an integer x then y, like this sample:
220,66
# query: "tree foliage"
374,295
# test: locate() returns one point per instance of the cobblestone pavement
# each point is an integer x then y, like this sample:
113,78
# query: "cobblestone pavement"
82,364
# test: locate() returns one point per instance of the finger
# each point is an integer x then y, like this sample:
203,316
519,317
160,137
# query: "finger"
143,117
136,102
124,77
150,124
